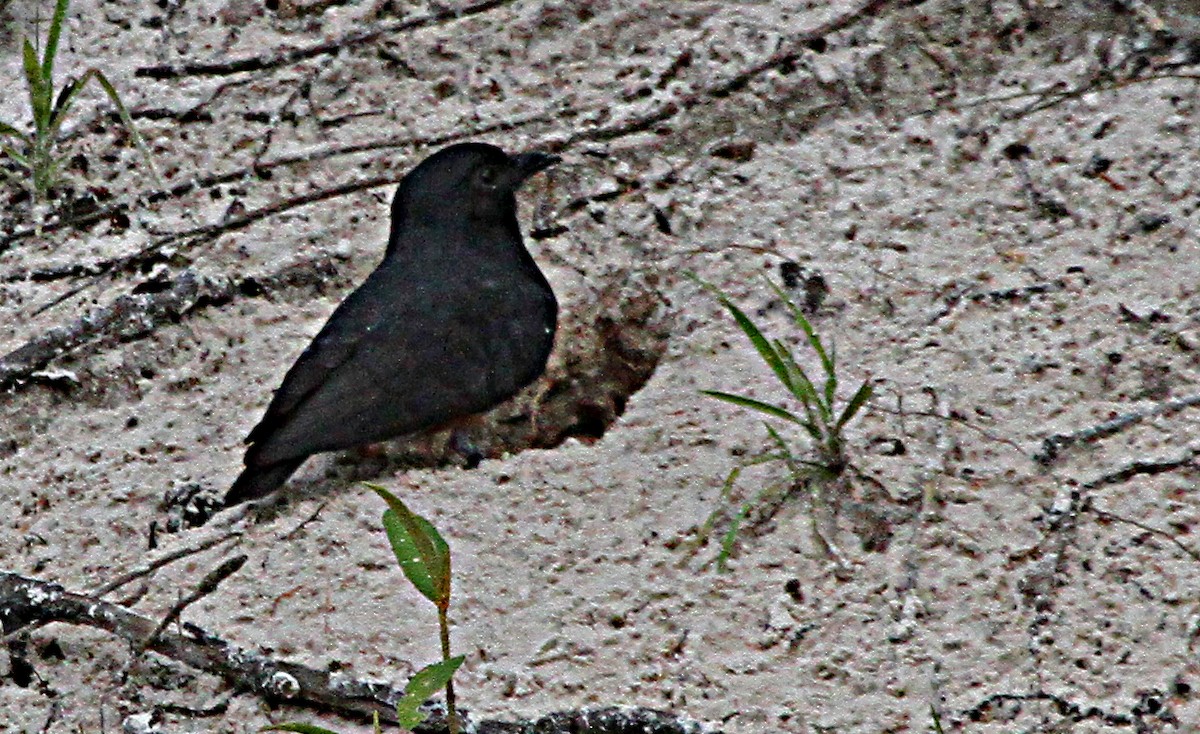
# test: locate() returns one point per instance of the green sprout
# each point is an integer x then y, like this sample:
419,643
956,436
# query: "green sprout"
937,720
424,556
820,415
34,152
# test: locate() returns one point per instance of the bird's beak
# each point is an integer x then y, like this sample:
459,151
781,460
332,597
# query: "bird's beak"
527,164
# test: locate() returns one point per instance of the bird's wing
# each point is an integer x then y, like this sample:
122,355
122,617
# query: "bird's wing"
333,347
412,371
398,357
389,361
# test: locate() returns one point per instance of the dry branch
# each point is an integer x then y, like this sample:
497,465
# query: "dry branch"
1140,468
135,315
285,57
25,601
127,317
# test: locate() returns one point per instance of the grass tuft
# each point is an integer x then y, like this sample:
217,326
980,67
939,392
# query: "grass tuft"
34,153
816,410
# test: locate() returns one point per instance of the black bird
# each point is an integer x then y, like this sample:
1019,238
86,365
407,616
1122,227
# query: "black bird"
456,319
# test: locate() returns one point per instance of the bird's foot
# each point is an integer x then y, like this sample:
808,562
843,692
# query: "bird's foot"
189,506
462,444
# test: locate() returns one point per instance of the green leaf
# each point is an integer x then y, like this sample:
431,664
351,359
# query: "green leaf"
411,561
422,553
751,403
428,681
298,727
861,396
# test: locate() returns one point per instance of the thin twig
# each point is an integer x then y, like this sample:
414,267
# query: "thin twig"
167,558
290,56
1053,445
1106,515
206,586
952,419
1139,468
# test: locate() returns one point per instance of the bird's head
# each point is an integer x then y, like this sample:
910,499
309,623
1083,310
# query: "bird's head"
475,181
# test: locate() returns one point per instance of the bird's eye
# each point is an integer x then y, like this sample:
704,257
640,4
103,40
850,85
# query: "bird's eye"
488,177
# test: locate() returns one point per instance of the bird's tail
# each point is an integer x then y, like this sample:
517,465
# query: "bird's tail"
259,481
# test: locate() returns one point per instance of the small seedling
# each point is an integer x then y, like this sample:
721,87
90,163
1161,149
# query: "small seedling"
424,557
937,720
34,152
821,417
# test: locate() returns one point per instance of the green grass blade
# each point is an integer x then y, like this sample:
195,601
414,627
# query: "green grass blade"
20,159
711,521
861,396
814,339
806,392
39,95
730,538
56,24
51,169
802,387
298,727
831,381
10,131
828,357
66,97
794,463
783,447
830,393
751,331
768,354
778,439
937,720
771,410
111,91
13,178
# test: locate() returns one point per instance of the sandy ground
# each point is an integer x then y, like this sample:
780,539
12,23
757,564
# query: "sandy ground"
1001,197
